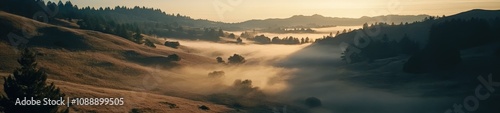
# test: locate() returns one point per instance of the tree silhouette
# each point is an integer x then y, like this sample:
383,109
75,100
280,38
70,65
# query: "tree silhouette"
174,57
313,102
262,39
172,44
138,38
236,59
232,36
221,33
408,46
216,74
220,60
28,81
239,40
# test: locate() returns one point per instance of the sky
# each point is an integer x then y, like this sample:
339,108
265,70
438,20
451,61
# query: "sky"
242,10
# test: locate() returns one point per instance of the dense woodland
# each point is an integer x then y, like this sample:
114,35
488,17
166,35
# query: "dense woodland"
115,20
448,38
441,51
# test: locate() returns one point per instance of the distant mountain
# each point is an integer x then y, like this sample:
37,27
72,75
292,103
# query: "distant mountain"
319,21
150,16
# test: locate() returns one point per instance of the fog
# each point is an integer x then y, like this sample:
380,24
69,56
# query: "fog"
320,32
259,66
295,72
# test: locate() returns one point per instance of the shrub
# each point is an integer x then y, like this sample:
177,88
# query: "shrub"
239,40
232,36
246,89
313,102
220,60
174,57
172,44
203,107
216,74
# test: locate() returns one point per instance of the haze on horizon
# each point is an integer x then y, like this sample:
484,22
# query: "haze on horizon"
242,10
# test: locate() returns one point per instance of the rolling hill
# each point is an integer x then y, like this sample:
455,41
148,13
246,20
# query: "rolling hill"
87,63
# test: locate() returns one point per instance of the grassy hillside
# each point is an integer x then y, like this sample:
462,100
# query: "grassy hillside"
87,63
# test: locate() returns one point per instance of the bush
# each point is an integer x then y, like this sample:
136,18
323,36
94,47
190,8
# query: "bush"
203,107
246,89
216,74
239,40
172,44
174,57
28,81
220,60
236,59
231,36
313,102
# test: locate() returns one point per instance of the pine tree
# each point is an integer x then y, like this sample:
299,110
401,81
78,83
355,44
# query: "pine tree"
28,81
138,37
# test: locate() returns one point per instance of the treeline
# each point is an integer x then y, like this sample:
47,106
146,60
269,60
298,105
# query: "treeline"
385,27
289,30
384,48
447,38
120,20
262,39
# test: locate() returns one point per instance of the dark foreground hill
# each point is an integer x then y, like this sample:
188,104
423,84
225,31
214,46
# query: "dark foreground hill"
455,53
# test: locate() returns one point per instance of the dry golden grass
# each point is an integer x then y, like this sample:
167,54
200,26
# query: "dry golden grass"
106,66
143,101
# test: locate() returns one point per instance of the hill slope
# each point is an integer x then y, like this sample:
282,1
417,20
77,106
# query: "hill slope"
87,63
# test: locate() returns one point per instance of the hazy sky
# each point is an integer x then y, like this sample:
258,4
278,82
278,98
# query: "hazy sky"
241,10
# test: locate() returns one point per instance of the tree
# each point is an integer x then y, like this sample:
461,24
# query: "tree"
232,36
28,81
172,44
276,40
220,60
262,39
216,74
221,33
174,57
236,59
365,26
245,88
313,102
149,43
239,40
138,37
408,46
